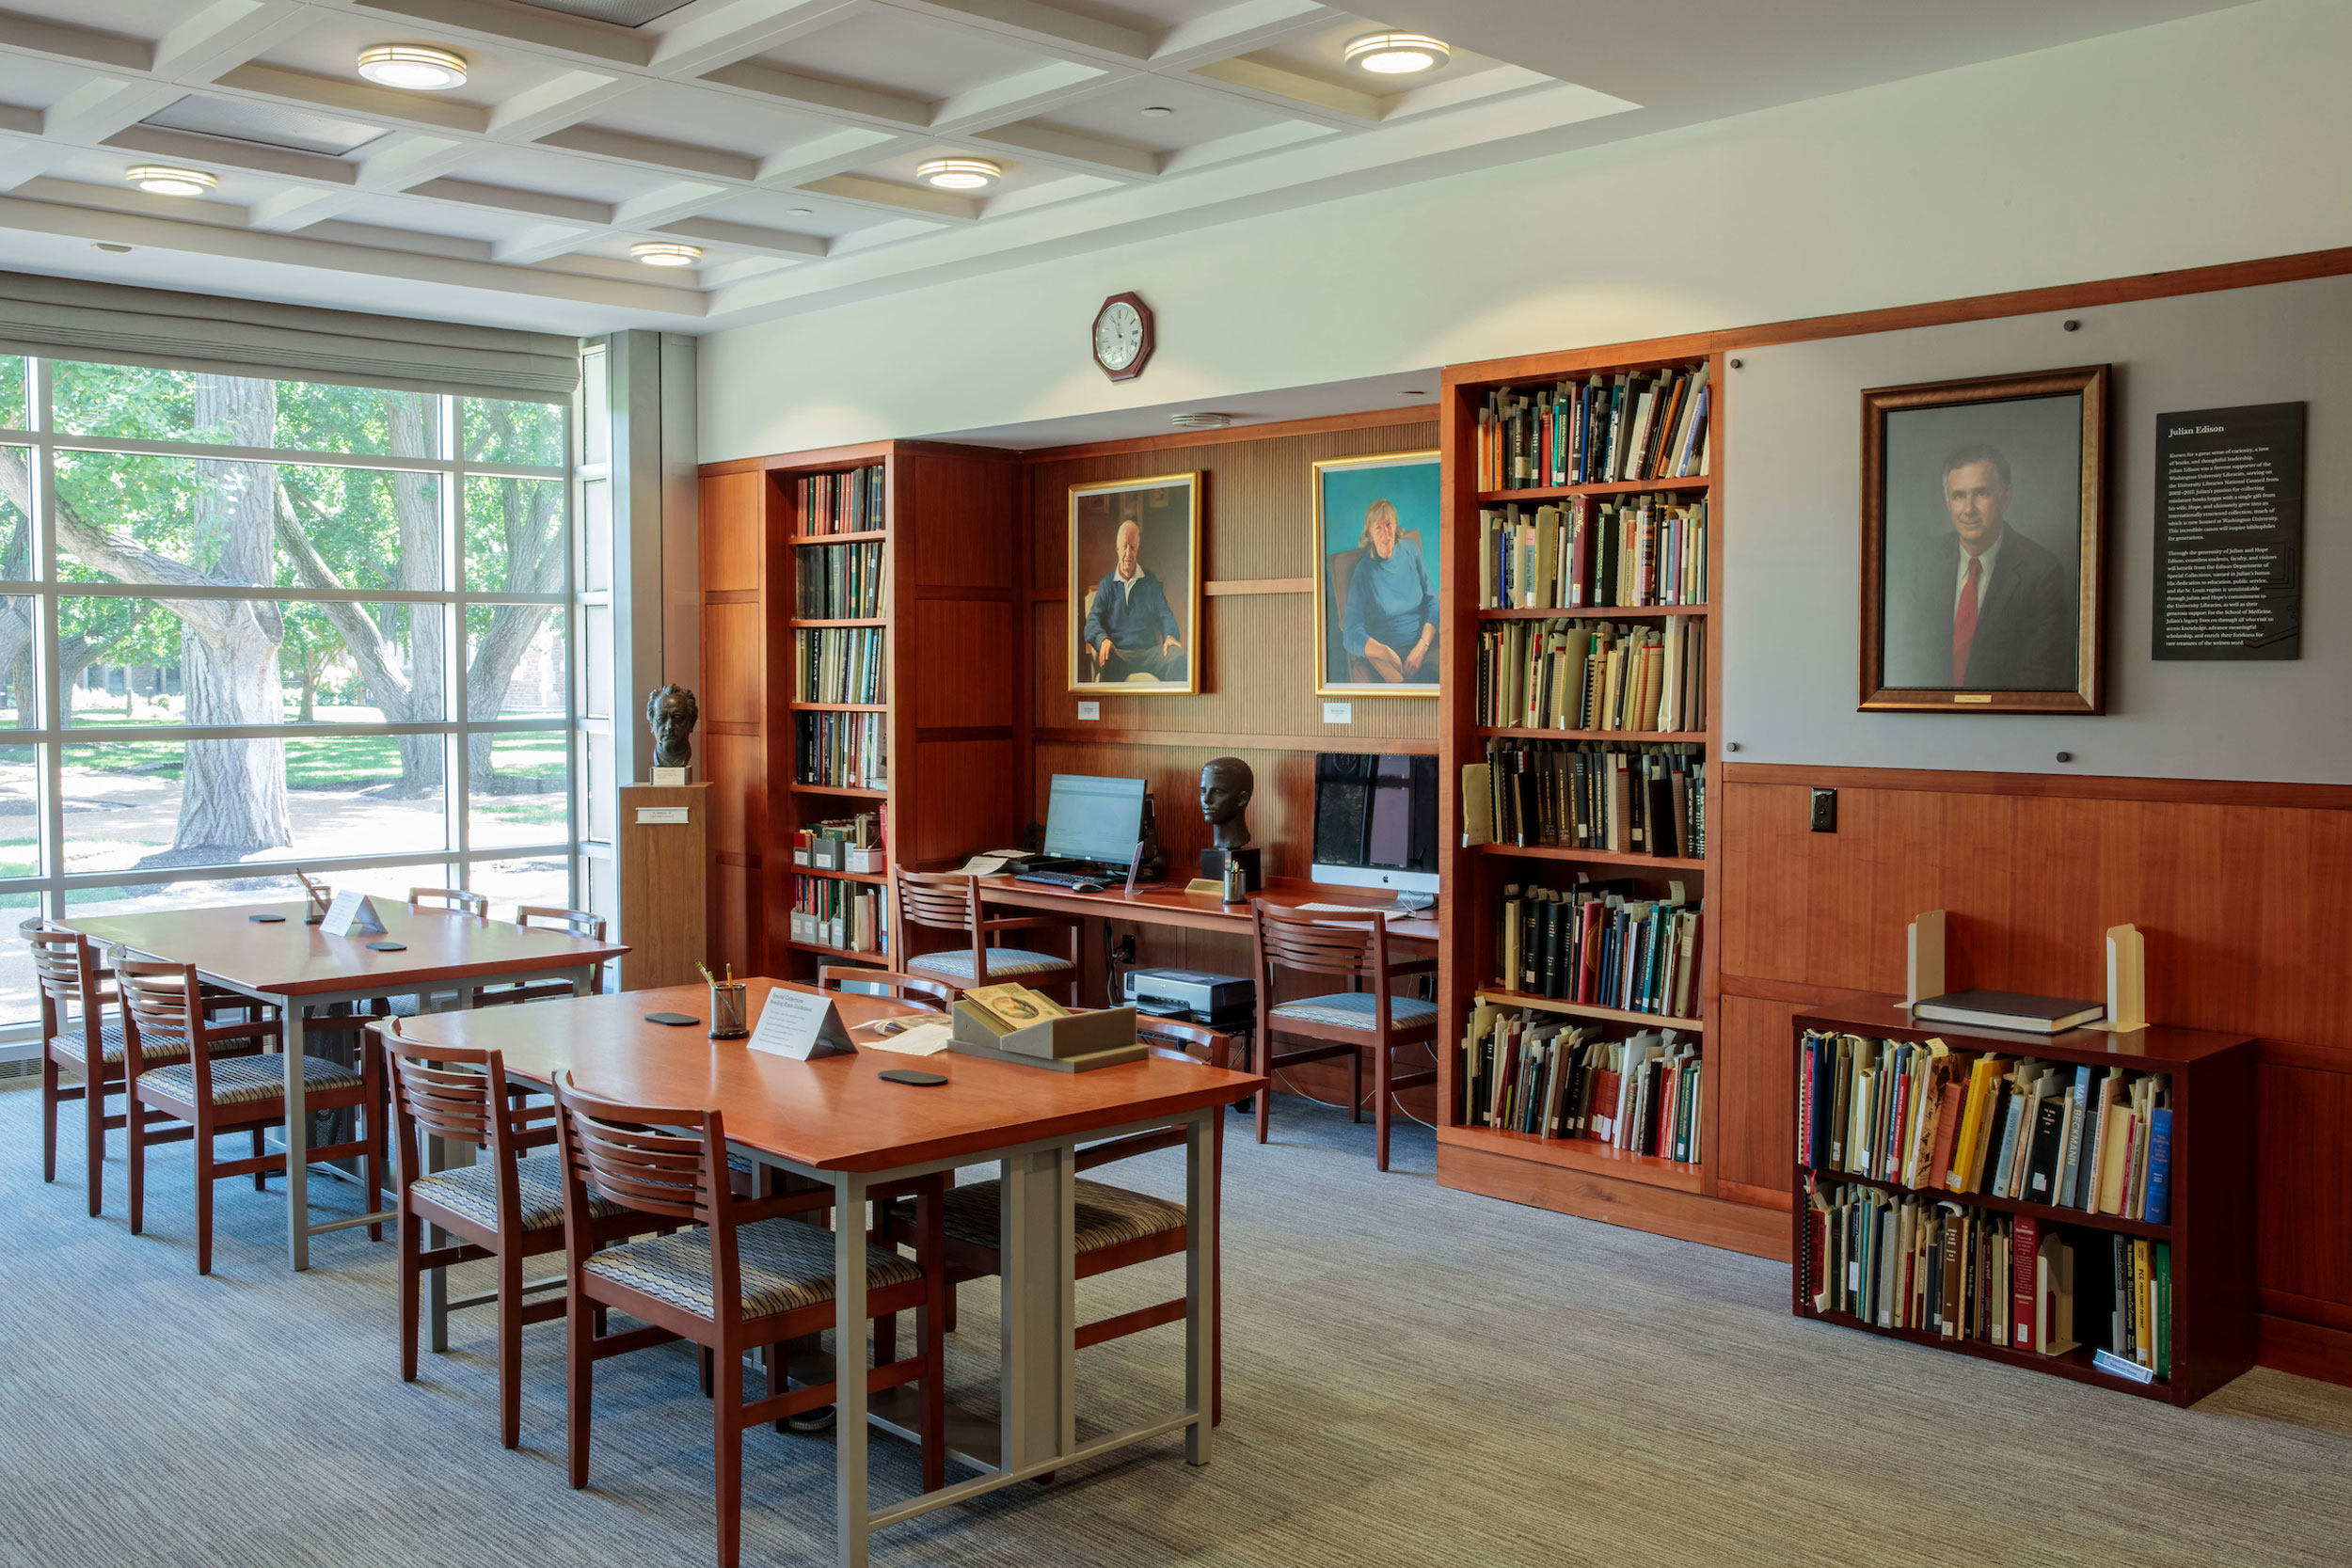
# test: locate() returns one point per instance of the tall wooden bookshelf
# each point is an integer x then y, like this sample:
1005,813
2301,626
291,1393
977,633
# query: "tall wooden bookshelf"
951,666
1576,1176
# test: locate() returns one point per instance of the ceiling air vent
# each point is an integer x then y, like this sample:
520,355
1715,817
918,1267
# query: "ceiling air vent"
1201,421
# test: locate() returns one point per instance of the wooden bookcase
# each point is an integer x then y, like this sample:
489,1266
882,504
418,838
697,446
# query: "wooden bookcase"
2211,1228
1572,1175
952,669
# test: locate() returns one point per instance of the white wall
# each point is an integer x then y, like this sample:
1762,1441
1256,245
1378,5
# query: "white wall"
2211,139
1792,532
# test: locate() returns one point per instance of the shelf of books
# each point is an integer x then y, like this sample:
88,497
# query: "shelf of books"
1577,971
2076,1203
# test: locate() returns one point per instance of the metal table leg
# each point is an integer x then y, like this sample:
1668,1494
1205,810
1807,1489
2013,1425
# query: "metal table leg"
1200,1283
1040,1293
297,1138
849,1369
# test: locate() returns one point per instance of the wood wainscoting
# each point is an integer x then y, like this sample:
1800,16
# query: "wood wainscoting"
2244,892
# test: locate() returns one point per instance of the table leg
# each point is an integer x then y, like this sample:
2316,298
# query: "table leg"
581,981
1040,1343
1200,1282
438,1156
297,1140
849,1370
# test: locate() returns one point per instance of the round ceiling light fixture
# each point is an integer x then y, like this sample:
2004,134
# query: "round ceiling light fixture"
1396,54
413,66
959,174
158,179
666,253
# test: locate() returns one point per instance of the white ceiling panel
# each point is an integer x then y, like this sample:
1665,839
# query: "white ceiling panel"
267,124
551,174
36,83
1200,114
694,115
893,52
138,18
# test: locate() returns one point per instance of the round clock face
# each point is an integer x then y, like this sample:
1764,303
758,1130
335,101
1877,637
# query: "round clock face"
1118,336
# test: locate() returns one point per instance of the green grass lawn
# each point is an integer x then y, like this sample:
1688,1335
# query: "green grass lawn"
338,762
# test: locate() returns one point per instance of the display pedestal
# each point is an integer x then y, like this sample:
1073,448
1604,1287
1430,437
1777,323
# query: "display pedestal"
664,860
1212,867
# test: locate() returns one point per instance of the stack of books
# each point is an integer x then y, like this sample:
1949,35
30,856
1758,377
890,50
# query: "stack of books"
1599,429
1633,800
1588,553
848,502
844,750
851,916
1593,675
1600,943
842,664
1534,1072
839,583
842,843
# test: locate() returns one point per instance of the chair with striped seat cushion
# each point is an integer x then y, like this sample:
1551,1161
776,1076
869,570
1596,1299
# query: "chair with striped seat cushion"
165,1011
672,1162
950,901
75,1003
1106,1216
463,1096
1354,1023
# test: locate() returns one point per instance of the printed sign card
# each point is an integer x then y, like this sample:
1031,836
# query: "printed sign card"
801,1025
352,913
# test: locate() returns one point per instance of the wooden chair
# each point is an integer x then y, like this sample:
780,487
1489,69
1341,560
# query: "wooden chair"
950,901
1350,1024
506,1207
578,922
457,899
1116,1228
750,1278
905,987
215,1090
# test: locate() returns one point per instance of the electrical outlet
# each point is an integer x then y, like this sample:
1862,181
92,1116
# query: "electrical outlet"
1127,949
1825,811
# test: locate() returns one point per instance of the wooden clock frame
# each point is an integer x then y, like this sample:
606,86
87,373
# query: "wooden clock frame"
1143,353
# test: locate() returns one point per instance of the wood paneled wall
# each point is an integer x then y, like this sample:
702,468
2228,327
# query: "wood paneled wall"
2243,892
743,521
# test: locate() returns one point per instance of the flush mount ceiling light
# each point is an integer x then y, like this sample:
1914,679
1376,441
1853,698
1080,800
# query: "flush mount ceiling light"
666,253
156,180
1158,109
959,174
1396,54
416,67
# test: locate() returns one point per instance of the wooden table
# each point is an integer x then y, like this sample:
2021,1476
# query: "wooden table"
1170,905
836,1121
293,965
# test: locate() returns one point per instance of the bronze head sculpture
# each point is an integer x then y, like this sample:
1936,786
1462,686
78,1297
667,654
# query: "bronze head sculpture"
1226,786
673,712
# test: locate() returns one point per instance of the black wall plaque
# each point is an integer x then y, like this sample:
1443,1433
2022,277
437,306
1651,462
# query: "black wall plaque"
2230,534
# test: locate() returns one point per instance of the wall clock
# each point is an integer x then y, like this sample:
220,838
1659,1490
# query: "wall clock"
1122,336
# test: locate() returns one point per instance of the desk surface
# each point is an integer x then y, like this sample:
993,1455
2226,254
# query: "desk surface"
289,958
832,1113
1171,904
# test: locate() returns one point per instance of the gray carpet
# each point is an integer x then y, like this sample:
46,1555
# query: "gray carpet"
1412,1376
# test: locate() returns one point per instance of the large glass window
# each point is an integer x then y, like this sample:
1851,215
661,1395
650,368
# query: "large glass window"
249,624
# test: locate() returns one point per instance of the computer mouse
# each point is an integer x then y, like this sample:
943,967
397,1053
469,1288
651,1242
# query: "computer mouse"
1086,887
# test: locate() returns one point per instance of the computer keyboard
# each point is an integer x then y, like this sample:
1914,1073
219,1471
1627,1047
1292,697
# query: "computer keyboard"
1061,879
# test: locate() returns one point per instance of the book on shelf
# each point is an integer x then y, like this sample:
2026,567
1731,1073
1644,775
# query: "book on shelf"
1526,1071
842,664
1592,552
1636,799
1923,1116
1570,674
839,583
845,502
1602,943
841,844
1599,429
844,750
851,916
2009,1010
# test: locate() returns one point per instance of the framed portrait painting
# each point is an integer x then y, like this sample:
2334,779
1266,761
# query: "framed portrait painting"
1983,531
1377,560
1135,586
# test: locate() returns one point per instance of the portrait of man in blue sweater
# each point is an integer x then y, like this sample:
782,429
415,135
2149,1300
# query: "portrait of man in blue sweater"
1130,629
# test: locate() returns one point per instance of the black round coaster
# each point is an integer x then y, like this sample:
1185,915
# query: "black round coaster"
314,920
675,1020
908,1075
267,919
388,947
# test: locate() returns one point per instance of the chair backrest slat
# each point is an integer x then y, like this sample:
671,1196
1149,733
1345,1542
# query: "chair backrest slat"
1320,943
620,1150
163,1015
66,964
895,983
457,899
944,900
579,923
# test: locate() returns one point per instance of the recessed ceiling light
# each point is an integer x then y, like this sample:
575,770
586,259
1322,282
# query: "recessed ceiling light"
110,250
416,67
157,180
666,253
959,174
1396,54
1158,109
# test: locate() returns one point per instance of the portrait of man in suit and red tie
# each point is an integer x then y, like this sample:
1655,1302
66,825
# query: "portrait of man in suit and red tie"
1982,545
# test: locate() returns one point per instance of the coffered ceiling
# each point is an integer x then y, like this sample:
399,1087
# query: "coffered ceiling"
782,137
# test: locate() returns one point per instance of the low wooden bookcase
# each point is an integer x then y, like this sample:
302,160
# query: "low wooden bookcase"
2210,1224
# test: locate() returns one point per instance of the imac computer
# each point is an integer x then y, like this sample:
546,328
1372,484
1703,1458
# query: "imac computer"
1377,824
1093,821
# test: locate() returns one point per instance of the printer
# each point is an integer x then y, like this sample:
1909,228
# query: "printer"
1190,991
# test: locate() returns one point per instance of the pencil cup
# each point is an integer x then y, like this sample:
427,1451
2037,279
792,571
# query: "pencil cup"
726,1010
320,899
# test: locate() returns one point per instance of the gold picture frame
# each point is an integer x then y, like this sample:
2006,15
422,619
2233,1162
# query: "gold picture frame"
1132,655
1345,495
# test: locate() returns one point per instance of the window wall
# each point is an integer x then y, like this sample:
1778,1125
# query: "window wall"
247,625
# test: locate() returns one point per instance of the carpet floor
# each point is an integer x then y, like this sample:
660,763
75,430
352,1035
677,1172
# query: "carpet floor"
1412,1376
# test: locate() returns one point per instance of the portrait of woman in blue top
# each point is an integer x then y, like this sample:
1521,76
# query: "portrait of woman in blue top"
1392,618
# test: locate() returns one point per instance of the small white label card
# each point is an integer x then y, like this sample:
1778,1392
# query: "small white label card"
1089,711
801,1025
657,816
352,910
1339,713
672,776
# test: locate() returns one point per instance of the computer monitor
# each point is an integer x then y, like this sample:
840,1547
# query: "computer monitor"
1089,819
1377,821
